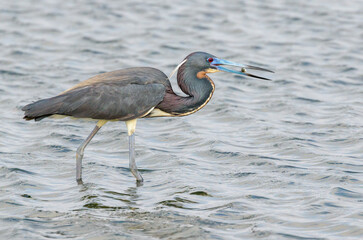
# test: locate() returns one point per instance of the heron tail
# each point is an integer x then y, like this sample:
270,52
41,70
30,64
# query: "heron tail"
42,108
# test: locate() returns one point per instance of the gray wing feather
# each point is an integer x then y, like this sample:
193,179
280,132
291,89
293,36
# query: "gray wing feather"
123,94
111,101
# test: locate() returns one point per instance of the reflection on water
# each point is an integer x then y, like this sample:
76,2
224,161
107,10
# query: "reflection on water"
275,160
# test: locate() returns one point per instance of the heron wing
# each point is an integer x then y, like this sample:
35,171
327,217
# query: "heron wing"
123,94
111,100
136,75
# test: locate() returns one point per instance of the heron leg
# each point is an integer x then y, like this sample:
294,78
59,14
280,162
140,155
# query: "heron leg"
80,150
131,125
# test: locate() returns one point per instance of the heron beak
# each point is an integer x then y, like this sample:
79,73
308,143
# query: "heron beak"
216,64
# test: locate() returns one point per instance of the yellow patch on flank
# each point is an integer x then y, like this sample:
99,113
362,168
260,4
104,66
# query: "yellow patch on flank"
156,112
131,126
57,116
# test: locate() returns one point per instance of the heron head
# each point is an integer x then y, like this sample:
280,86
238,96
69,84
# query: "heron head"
209,63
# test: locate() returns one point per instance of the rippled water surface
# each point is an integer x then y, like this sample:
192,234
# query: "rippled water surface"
263,160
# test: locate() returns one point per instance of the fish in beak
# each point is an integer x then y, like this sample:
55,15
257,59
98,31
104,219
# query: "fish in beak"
216,66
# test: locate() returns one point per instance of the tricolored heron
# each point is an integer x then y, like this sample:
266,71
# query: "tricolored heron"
133,93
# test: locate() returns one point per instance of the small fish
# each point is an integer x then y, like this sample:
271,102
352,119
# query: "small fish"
244,70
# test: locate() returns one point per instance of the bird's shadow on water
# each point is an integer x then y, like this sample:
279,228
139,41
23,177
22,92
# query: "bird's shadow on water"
128,197
85,186
106,195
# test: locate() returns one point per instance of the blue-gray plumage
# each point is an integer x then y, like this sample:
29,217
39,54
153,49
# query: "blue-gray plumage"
133,93
109,96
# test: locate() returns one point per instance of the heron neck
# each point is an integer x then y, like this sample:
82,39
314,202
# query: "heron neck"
197,85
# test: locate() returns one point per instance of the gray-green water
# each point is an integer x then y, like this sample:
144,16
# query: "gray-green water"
263,160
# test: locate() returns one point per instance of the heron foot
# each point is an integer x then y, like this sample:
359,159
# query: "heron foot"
136,174
79,181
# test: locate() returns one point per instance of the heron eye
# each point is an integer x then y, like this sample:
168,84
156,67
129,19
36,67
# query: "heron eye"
210,60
